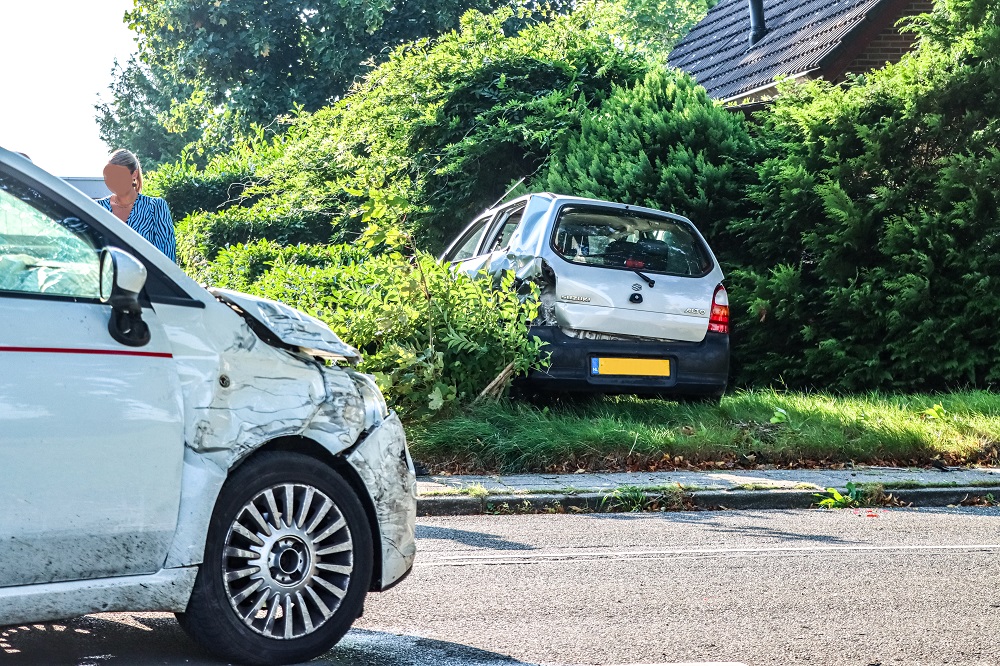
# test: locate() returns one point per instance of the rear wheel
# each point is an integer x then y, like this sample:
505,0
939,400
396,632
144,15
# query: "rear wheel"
288,562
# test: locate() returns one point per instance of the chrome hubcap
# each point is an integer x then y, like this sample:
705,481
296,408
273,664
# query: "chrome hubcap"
288,561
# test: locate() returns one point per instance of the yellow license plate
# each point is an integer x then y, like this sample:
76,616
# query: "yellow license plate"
636,367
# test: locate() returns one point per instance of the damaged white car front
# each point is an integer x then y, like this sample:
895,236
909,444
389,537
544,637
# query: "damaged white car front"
297,554
168,448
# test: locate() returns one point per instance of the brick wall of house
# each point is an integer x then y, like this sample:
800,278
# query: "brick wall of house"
889,45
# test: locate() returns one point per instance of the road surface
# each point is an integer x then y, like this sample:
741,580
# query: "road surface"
890,586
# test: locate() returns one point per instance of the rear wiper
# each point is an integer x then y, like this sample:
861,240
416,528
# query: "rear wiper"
645,277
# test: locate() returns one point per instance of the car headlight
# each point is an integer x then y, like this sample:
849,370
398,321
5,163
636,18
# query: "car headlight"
375,407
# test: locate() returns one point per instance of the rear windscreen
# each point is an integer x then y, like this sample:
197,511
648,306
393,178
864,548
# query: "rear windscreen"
622,239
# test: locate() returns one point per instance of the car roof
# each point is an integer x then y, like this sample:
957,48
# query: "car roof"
563,199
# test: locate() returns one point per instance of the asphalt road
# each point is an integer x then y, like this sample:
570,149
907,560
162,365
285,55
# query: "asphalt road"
894,586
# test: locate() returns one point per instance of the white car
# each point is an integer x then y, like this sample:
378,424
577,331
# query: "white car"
632,299
164,447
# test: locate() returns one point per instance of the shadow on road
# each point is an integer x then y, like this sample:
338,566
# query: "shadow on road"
709,520
469,538
142,639
376,648
145,639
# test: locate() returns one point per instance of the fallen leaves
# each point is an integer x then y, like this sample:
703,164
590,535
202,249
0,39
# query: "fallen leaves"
977,500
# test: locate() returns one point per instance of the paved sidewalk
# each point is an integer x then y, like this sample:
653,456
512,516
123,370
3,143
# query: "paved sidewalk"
731,489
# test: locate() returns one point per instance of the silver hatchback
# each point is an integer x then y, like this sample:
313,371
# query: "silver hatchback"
632,299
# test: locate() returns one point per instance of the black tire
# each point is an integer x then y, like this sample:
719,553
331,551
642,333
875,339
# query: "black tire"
290,564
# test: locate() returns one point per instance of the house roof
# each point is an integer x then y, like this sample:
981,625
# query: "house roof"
803,36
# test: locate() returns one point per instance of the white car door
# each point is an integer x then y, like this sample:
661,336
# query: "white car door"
91,431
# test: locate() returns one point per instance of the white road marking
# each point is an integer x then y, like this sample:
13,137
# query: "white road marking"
434,560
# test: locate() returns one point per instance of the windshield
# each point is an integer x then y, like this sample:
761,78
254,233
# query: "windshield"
622,239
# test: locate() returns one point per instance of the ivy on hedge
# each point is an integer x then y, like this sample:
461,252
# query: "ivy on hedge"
223,181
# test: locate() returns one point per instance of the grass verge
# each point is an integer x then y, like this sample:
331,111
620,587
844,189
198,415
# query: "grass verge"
749,429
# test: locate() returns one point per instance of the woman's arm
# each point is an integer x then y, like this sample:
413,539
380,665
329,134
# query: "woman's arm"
166,240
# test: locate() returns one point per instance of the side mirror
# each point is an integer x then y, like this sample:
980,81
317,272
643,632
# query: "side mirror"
122,278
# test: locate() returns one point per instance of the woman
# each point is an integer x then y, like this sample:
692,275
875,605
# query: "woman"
147,215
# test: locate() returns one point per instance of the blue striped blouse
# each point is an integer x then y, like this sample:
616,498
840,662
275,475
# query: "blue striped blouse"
151,218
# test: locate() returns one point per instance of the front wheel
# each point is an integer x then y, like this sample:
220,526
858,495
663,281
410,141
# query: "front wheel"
288,561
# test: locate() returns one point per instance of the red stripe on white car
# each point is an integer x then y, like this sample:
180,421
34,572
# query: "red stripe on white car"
107,352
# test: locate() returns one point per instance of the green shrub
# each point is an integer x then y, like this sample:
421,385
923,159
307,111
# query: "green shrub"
873,261
189,190
241,266
221,183
433,339
662,143
201,236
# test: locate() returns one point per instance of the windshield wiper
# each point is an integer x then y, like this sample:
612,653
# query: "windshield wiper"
645,277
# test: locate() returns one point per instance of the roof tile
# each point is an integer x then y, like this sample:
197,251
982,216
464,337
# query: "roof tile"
801,35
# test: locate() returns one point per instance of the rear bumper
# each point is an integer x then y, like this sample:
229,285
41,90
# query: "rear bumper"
697,368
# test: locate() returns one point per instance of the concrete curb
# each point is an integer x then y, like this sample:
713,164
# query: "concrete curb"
465,505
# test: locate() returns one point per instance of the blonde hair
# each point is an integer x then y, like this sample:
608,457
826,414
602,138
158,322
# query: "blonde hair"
127,159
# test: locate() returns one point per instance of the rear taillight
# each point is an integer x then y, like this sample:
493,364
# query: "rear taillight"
718,322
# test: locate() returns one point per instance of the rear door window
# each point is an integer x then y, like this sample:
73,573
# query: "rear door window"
466,248
612,238
504,230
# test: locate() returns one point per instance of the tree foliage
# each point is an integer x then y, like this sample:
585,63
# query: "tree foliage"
133,114
449,124
267,58
444,125
654,25
218,67
873,259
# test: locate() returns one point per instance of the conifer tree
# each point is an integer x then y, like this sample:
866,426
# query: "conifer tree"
662,143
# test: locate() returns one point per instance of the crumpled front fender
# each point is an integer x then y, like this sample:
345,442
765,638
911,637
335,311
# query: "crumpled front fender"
384,465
